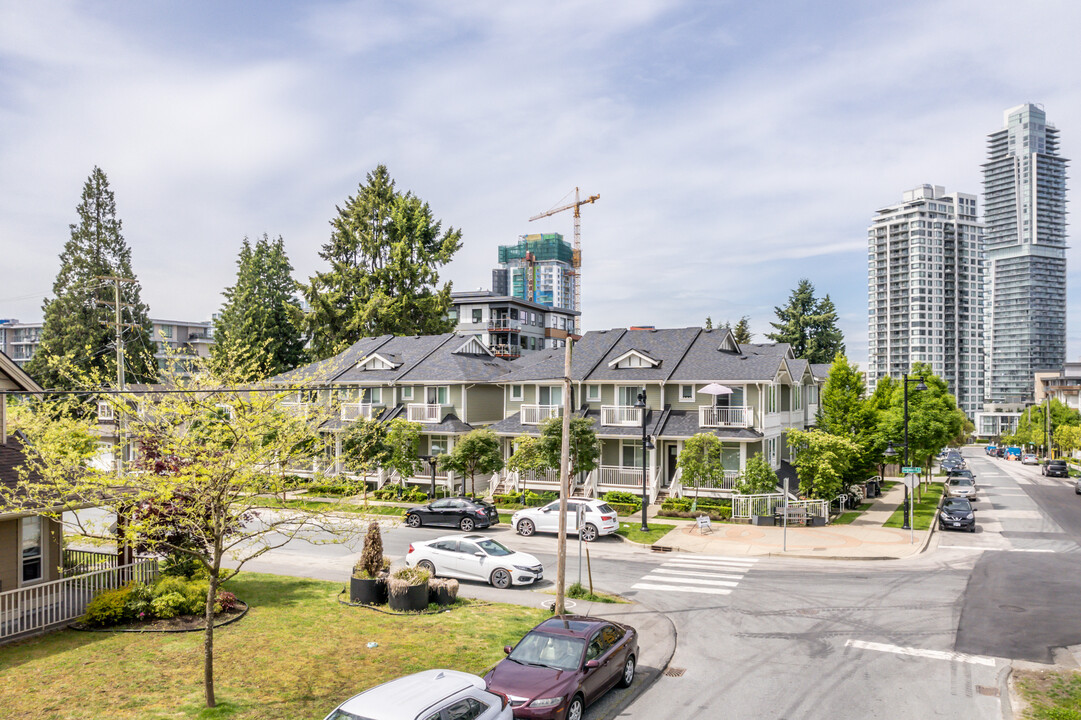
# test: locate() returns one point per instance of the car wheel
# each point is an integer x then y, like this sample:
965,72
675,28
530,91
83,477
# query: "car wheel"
467,525
412,520
500,579
427,566
628,673
589,532
576,708
525,527
972,529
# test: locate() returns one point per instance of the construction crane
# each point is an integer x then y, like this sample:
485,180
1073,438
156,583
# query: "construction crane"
576,257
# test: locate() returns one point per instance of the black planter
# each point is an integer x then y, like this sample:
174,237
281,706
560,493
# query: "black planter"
440,595
816,521
368,591
415,598
762,520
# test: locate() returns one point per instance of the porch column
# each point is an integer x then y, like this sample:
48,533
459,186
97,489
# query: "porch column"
337,453
125,554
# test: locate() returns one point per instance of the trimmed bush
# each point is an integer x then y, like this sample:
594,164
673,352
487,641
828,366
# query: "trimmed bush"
621,497
225,601
623,509
169,605
108,608
673,503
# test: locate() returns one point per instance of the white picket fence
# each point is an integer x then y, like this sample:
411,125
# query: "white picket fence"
747,506
36,608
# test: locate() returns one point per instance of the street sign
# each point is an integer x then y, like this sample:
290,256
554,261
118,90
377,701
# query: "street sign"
911,481
911,470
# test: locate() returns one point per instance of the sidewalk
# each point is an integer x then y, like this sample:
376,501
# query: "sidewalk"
863,539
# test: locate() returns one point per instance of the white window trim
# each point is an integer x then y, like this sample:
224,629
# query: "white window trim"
516,393
682,397
593,393
406,392
44,546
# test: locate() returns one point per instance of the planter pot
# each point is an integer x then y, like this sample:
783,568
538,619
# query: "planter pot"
367,591
762,520
816,521
415,598
440,595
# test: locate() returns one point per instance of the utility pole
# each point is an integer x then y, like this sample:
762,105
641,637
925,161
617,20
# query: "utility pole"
121,377
564,483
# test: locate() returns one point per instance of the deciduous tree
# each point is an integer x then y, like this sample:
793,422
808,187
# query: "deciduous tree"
821,461
478,452
700,461
757,478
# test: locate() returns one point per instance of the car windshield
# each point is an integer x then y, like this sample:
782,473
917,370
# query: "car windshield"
552,651
960,481
494,548
1060,463
605,508
957,505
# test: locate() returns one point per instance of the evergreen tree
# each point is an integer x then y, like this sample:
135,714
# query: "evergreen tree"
79,334
809,325
742,331
257,333
384,254
709,323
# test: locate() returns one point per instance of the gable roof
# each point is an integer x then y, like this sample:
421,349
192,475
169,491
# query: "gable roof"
665,347
633,352
706,362
15,376
548,365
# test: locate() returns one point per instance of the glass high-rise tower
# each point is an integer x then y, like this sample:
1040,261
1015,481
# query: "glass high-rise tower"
1024,181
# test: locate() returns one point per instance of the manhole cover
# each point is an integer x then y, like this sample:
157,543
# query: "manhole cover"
984,690
1013,608
674,671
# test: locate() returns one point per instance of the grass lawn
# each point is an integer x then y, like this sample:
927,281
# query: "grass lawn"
923,512
297,654
1051,695
319,506
849,516
633,531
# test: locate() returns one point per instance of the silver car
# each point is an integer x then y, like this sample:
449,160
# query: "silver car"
960,486
428,695
475,557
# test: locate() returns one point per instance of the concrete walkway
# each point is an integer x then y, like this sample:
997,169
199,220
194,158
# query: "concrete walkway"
863,539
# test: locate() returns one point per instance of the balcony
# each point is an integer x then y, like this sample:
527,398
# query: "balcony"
357,411
506,351
504,325
736,416
536,414
425,413
620,476
621,415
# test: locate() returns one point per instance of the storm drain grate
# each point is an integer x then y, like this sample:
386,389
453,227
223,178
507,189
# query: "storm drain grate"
984,690
674,671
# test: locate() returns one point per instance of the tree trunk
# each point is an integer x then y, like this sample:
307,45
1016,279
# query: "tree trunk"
208,641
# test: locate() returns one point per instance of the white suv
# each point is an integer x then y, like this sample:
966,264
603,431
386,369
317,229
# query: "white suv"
599,518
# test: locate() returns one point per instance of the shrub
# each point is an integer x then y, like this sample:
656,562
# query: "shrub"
623,509
371,558
108,608
622,497
178,564
169,605
404,578
192,592
673,503
138,604
225,601
450,584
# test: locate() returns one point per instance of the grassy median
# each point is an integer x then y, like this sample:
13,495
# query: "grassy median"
297,654
1051,695
923,512
633,531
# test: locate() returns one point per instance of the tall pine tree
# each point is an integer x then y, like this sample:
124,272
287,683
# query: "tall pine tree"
809,325
80,319
257,334
384,253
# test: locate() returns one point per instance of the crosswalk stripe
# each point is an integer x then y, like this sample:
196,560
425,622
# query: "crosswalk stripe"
716,558
692,573
693,581
705,566
682,588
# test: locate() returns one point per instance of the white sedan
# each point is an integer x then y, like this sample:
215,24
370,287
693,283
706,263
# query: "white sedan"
475,557
424,696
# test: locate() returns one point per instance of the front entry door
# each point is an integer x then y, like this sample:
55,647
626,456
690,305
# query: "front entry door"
673,463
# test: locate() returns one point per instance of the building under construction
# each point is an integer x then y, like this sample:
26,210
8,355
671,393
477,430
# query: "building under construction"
538,268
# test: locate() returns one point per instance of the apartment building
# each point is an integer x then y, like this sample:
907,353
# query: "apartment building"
538,268
510,326
925,291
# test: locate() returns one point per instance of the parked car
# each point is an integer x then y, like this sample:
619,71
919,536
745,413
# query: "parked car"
964,472
464,513
428,695
1013,453
1000,452
600,518
960,486
1056,468
563,665
957,514
1077,487
1029,459
475,557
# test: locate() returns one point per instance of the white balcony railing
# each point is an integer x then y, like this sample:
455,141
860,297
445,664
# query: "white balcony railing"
536,414
624,415
738,416
425,413
355,411
620,476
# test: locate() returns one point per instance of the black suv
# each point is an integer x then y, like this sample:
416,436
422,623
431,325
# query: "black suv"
1055,468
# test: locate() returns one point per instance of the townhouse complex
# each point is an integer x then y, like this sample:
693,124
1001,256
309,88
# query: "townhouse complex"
453,383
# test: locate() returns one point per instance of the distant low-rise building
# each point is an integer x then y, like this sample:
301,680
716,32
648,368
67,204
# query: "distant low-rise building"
510,326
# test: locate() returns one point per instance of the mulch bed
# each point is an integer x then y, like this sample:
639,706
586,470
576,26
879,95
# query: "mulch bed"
181,623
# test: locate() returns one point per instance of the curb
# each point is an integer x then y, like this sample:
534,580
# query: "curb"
634,693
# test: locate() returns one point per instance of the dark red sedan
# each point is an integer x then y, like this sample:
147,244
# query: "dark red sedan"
563,665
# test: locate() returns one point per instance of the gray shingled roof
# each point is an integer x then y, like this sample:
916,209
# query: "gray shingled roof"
588,351
820,370
666,346
409,351
446,366
705,362
684,424
329,369
797,367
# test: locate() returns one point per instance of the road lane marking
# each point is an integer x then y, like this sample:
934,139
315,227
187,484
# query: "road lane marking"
692,581
705,566
691,573
994,549
917,652
749,561
682,588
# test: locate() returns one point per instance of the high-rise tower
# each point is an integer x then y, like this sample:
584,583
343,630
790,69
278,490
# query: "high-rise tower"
925,291
1024,183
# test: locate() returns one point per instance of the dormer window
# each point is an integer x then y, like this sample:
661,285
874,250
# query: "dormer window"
729,344
105,411
473,346
375,361
634,359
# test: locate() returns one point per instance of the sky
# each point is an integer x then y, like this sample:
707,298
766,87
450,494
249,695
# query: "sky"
736,147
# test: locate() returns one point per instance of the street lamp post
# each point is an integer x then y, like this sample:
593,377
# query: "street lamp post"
431,460
646,446
890,452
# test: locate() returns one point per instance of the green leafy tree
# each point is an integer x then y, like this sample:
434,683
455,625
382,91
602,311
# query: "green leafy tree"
822,461
1032,425
933,416
809,325
543,453
365,449
78,338
403,446
257,334
1067,438
700,461
478,452
757,478
709,323
843,410
384,253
